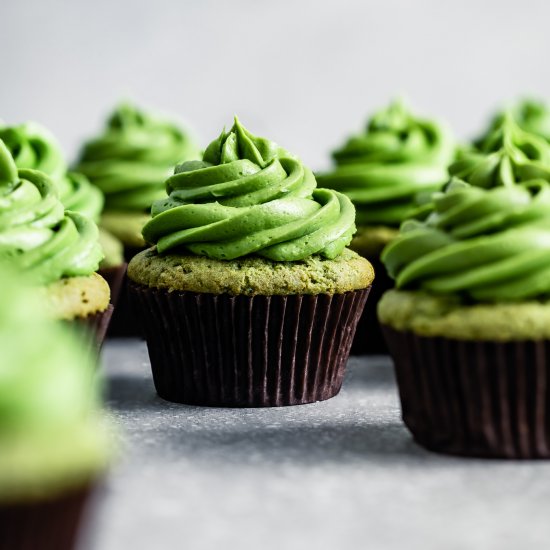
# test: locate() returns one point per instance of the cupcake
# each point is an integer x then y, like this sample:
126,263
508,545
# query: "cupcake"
129,163
250,297
531,115
55,444
385,171
57,249
34,147
468,325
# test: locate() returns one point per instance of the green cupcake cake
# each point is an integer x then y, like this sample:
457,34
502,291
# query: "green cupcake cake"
250,297
57,249
469,322
385,171
129,162
33,147
55,443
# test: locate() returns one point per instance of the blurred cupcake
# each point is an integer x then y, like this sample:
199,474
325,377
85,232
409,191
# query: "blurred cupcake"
57,249
129,162
385,171
55,444
33,146
250,297
469,324
532,115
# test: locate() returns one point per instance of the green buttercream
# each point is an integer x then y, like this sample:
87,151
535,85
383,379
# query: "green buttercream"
249,196
383,169
531,115
131,159
485,245
36,234
446,316
507,156
51,435
33,147
252,275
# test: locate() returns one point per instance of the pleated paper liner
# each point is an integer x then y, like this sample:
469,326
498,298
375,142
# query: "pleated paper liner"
484,399
124,323
48,524
94,328
115,278
241,351
369,339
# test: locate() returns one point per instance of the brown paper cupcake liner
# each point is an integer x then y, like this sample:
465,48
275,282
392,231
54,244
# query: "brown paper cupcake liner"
369,339
241,351
94,328
485,399
115,278
51,524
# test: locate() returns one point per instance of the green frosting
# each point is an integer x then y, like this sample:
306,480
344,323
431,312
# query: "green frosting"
485,245
385,168
36,235
507,156
51,435
249,196
131,159
32,146
531,115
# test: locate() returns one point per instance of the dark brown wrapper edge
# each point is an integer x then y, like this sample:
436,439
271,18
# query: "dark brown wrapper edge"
47,524
115,278
369,339
474,398
95,328
242,351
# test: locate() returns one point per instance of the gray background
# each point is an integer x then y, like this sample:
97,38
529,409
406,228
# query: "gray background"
304,73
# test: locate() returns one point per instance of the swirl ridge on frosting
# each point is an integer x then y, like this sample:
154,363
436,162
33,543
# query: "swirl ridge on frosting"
383,169
36,234
34,147
131,159
481,244
249,196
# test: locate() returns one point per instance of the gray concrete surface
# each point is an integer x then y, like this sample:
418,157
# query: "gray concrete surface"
340,474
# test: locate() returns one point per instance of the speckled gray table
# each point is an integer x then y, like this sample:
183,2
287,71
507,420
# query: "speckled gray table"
342,474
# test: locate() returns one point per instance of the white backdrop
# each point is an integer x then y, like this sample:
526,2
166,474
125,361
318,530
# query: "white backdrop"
305,73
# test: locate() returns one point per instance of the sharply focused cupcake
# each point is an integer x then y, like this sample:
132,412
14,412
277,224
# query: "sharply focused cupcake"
469,323
54,442
129,162
385,170
250,296
34,147
57,249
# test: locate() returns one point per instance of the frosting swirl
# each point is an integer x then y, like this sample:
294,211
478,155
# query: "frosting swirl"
131,159
32,146
531,115
36,234
383,169
249,196
508,155
480,244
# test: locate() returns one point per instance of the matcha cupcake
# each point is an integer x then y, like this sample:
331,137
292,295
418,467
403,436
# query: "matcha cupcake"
385,171
469,322
129,162
34,147
249,297
55,443
57,249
